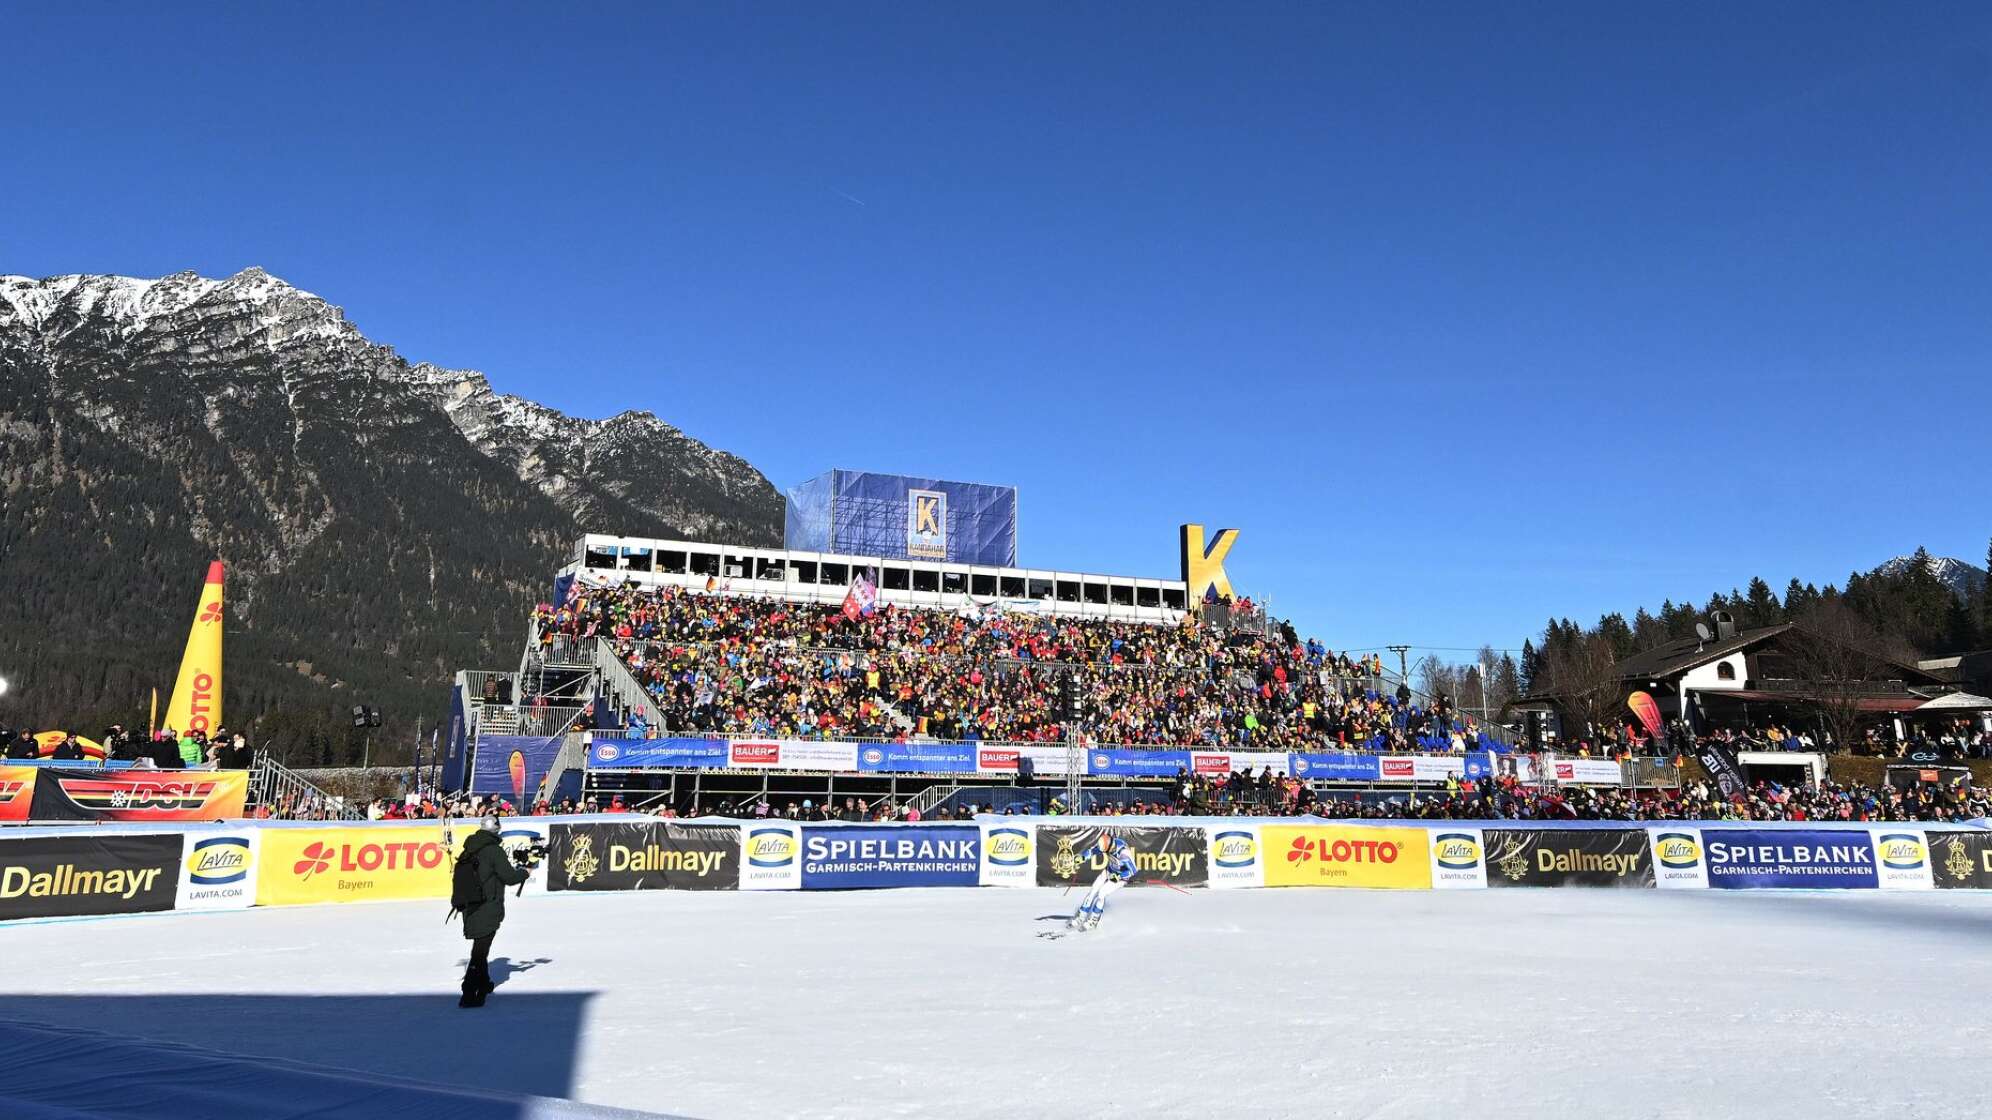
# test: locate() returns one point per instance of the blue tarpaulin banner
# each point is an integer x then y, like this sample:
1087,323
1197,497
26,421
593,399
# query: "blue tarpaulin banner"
513,765
838,857
917,758
1745,857
1479,764
1336,767
1136,763
640,753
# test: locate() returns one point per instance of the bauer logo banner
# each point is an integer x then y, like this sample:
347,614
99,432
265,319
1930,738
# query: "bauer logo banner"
1006,855
1575,857
1961,859
1743,858
770,857
1347,856
850,856
55,876
1678,858
1237,856
1458,858
1172,855
139,795
642,855
1046,761
218,870
1229,762
354,864
1902,859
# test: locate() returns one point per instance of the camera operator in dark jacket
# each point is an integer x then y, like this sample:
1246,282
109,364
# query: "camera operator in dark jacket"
495,872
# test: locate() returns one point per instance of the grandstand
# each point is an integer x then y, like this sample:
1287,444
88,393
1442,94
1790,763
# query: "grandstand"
706,673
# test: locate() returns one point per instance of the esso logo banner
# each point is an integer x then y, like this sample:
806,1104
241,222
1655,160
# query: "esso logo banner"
1459,858
1008,852
353,864
1347,856
771,857
1902,859
218,870
1237,856
1678,861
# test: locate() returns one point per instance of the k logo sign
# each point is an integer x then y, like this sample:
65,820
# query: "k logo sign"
1203,564
927,524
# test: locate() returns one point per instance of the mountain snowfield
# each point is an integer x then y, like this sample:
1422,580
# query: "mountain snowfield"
1962,578
384,523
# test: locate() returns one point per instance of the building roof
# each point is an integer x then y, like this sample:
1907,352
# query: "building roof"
1679,656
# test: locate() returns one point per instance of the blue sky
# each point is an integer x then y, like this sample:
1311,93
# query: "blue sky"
1464,314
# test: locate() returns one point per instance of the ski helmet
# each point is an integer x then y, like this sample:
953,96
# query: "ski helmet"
489,823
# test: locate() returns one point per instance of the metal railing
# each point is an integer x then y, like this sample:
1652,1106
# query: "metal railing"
278,788
624,688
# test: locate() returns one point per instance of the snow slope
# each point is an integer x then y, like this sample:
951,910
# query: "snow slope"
1494,1003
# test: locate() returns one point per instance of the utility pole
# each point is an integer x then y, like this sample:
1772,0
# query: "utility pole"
1403,668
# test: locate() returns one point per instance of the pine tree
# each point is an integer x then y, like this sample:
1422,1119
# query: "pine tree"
1985,600
1760,607
1530,668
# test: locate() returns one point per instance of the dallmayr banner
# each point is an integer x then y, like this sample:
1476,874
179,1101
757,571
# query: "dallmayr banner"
1574,857
54,876
1173,855
1742,858
855,856
354,863
1346,856
642,855
124,795
1961,859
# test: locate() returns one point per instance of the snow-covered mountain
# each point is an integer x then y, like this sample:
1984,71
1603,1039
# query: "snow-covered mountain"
1963,579
384,522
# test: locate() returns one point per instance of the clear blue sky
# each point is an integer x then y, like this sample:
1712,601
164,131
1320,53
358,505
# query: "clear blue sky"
1464,314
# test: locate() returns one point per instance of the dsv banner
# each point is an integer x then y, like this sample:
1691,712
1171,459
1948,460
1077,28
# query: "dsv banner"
643,856
1173,855
1576,857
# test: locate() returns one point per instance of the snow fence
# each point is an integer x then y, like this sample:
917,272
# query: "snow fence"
57,872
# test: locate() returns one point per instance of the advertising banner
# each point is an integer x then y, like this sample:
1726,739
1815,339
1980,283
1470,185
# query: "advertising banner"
1119,763
1437,768
642,855
218,870
1677,858
1229,762
1961,859
1720,762
1341,767
770,856
354,863
1046,762
1902,859
680,754
129,795
1237,856
517,834
1007,855
17,791
917,758
860,856
513,766
58,876
1347,856
1174,855
1458,858
1588,771
792,754
1742,858
1569,857
1479,764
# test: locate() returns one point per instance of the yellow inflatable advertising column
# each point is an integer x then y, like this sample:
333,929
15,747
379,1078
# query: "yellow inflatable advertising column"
196,702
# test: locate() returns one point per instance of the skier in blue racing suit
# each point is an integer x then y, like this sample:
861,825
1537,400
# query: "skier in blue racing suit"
1119,869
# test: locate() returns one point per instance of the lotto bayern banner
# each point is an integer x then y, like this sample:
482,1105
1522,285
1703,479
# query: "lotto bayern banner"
1121,763
918,758
676,754
1339,767
860,856
354,863
1742,858
44,794
1346,856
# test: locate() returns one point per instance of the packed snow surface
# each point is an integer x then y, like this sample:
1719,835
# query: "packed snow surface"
1491,1003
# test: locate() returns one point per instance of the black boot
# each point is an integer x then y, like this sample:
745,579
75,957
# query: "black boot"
474,990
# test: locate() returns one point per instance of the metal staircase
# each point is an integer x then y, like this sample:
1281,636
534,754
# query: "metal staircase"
283,790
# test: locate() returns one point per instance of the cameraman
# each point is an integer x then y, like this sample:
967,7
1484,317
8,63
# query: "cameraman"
494,872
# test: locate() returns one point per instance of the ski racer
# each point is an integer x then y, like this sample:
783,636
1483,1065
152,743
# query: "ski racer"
1119,869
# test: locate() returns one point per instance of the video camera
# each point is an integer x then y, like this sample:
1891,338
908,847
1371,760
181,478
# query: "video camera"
530,854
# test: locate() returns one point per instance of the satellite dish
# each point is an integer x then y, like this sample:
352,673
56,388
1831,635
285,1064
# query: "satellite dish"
1701,631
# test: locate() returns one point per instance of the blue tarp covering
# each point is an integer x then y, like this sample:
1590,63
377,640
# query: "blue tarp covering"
899,517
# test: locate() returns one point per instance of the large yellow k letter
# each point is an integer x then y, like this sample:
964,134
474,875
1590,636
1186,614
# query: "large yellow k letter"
1203,566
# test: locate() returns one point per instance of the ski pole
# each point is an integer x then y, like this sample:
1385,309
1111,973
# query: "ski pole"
1163,883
